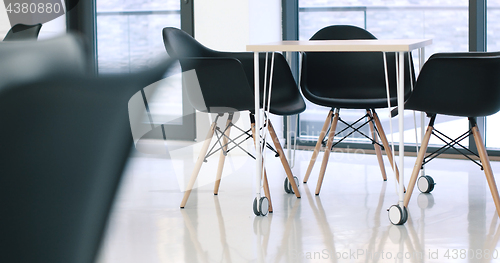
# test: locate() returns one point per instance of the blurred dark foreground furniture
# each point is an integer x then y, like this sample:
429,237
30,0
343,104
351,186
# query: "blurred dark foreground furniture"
28,61
64,141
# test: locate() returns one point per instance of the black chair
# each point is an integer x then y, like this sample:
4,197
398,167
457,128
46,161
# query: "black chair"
64,142
22,32
27,61
462,85
350,80
226,81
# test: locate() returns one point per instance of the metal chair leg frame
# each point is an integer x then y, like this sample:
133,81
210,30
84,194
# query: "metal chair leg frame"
317,148
223,153
378,151
237,144
265,183
199,162
283,159
326,156
354,130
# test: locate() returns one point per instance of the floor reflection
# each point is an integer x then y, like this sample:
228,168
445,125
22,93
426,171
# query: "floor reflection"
291,240
222,229
347,222
321,220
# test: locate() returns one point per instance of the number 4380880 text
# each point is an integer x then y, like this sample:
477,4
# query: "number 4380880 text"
33,8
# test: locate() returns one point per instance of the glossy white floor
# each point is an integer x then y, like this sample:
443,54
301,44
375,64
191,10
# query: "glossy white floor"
347,222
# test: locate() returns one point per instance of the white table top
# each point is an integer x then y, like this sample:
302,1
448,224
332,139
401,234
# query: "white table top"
369,45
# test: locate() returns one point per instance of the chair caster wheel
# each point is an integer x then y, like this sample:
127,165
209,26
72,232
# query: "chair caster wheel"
425,184
288,186
261,208
398,216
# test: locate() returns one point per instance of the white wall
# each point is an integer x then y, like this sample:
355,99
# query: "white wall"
53,28
222,24
230,26
4,21
265,21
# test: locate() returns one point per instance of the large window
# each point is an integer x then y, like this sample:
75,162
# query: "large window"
129,38
493,44
129,32
444,21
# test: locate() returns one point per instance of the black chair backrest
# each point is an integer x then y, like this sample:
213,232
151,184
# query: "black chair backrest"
342,32
458,84
64,143
21,32
330,74
180,44
219,83
226,79
26,61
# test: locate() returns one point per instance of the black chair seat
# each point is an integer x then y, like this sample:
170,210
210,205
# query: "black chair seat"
294,105
349,99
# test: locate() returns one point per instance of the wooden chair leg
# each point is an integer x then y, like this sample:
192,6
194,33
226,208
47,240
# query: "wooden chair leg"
387,147
418,164
378,151
267,192
222,156
198,164
283,159
328,149
317,148
485,161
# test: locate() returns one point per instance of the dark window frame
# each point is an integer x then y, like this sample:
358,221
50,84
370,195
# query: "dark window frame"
82,19
477,42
